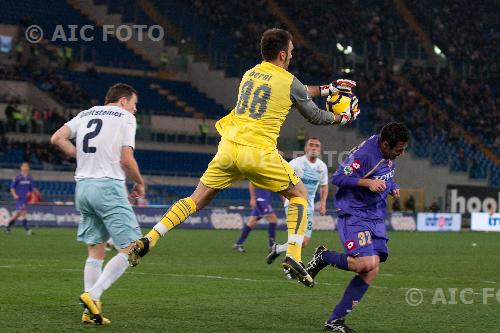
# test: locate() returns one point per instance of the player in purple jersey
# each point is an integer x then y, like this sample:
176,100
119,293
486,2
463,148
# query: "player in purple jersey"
20,188
364,180
260,202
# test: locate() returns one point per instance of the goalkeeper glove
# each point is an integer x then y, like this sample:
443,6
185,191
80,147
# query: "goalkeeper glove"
349,116
345,118
341,85
328,89
354,108
345,86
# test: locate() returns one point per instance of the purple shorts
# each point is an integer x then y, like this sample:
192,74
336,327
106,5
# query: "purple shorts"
363,238
262,208
21,204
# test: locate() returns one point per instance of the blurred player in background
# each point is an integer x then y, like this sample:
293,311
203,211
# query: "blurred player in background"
248,146
105,142
364,180
260,202
20,188
314,174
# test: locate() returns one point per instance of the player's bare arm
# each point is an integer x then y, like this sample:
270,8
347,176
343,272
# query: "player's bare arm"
251,190
323,195
61,139
14,194
395,193
129,165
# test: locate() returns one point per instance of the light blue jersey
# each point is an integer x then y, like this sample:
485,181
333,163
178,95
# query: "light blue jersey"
312,175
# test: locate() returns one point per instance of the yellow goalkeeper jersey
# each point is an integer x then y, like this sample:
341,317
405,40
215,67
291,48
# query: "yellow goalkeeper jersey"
264,101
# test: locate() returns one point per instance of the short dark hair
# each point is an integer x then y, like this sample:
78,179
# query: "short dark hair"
313,138
393,133
119,90
274,41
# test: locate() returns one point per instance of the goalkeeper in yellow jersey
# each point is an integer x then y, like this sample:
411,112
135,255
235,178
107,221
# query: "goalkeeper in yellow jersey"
247,148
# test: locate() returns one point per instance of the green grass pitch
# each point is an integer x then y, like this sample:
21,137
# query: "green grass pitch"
194,282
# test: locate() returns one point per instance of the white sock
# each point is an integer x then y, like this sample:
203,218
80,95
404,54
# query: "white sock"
160,228
111,272
281,248
91,272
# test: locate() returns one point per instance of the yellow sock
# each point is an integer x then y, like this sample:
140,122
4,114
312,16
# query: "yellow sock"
177,214
296,221
153,236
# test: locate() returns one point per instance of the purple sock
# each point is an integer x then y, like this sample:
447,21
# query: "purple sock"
271,231
25,224
352,295
336,259
244,234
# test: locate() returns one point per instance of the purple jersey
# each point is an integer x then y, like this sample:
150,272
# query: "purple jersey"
263,203
262,195
22,185
364,161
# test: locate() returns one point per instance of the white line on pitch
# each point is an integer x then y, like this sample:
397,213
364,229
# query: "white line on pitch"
217,277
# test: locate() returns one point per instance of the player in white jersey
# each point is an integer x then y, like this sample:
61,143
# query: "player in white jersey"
314,174
104,151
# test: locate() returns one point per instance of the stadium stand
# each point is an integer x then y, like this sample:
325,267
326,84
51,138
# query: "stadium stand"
219,34
104,53
460,96
383,32
58,191
223,37
435,85
45,157
79,89
468,35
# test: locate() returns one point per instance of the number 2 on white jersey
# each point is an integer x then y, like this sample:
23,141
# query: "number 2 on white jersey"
90,135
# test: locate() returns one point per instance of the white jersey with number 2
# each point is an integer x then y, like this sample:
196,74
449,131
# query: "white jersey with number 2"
100,134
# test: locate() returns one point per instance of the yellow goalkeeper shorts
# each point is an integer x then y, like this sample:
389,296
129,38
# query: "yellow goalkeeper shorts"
266,169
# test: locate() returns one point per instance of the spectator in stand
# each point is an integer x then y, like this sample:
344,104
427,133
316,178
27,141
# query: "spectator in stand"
35,196
396,206
36,120
462,160
203,131
434,207
10,111
410,204
164,62
301,137
18,50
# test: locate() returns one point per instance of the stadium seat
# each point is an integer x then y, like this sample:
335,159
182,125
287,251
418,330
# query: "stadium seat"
149,99
105,53
156,194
